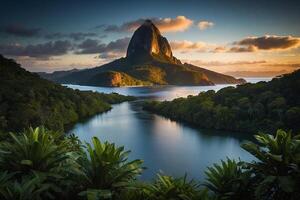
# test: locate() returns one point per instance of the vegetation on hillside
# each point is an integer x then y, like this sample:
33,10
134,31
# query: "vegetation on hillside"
41,164
264,106
28,100
115,79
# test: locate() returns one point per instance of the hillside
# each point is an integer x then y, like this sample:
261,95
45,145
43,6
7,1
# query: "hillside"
28,100
149,61
264,106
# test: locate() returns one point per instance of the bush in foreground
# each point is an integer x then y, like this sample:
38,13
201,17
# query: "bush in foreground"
41,164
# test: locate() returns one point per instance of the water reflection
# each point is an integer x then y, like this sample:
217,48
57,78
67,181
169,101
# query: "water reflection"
165,145
158,93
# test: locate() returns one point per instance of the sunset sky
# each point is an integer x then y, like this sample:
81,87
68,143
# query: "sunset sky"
224,36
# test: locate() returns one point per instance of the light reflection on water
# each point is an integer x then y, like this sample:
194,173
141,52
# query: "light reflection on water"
164,145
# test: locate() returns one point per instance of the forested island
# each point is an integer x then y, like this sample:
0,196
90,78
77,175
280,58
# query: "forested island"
248,108
28,100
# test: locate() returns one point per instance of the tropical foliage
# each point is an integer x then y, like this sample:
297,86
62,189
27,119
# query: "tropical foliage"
229,181
264,106
28,100
42,164
106,169
277,166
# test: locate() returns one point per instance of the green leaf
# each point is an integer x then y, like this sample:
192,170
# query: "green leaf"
287,183
26,162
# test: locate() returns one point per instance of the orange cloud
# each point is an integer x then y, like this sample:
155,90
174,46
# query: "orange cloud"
219,63
187,45
205,24
180,23
219,49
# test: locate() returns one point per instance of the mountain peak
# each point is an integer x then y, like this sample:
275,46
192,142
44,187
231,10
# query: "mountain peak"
148,41
148,22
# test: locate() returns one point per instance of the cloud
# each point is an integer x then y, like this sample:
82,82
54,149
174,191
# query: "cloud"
81,36
52,36
270,42
220,63
248,73
44,50
185,45
118,45
113,48
90,46
250,48
21,31
219,49
263,43
110,55
180,23
288,65
205,24
74,36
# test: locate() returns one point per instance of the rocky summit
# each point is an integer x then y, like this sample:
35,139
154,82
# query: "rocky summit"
147,41
149,61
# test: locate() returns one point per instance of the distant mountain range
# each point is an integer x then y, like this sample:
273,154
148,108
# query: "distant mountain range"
149,61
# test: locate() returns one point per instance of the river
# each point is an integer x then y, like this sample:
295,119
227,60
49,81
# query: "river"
166,146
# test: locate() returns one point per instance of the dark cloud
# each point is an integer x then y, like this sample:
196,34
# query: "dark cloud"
250,48
54,36
90,46
264,43
270,42
114,28
44,50
21,31
118,45
81,36
74,36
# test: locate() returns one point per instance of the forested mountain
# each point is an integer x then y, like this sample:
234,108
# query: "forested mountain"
264,106
28,100
149,61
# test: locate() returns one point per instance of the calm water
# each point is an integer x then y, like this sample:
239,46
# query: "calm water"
164,145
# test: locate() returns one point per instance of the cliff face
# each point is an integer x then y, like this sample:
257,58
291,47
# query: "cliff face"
147,41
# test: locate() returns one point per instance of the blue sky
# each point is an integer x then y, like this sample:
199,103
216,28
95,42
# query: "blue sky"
26,23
